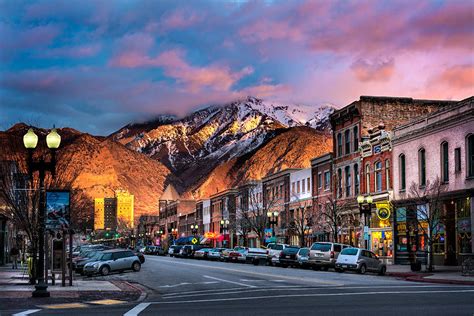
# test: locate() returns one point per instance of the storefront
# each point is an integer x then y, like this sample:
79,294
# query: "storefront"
381,231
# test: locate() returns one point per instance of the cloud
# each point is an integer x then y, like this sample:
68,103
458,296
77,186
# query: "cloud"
458,77
377,70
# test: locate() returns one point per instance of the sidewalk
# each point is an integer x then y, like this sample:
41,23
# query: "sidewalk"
15,291
441,274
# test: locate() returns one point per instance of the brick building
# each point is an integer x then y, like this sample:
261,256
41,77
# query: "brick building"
223,208
321,173
349,124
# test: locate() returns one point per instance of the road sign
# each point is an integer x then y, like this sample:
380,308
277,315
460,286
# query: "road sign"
194,241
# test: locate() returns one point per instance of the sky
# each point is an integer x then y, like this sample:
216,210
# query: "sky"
98,65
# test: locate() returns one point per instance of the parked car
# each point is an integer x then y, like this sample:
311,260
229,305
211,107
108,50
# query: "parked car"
113,260
225,253
244,255
274,251
288,256
215,253
202,253
174,250
323,255
360,260
154,250
302,257
92,256
237,255
140,256
188,250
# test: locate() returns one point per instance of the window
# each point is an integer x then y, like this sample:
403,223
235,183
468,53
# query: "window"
367,178
470,156
293,188
347,139
339,144
308,183
356,179
378,176
445,161
320,180
327,180
422,166
297,187
356,138
387,174
401,160
457,159
339,182
347,171
303,187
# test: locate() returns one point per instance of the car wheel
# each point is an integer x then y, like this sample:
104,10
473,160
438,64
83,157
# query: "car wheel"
105,270
382,271
340,270
284,265
316,268
136,266
362,269
325,268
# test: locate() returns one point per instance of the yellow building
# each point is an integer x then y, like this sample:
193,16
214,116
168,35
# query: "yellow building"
125,210
98,214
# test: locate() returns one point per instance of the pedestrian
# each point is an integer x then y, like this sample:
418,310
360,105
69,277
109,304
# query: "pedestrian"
14,253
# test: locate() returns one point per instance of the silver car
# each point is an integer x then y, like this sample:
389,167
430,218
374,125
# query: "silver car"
302,257
359,260
323,255
113,260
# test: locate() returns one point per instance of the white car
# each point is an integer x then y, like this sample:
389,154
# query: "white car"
215,253
274,251
359,260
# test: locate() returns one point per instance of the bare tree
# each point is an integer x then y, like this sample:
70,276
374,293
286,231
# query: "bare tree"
303,218
331,215
429,211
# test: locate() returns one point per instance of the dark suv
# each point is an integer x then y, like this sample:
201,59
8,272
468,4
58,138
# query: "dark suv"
288,256
188,250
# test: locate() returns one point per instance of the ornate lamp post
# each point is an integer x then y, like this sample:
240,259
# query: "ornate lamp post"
366,211
194,229
224,228
30,140
273,220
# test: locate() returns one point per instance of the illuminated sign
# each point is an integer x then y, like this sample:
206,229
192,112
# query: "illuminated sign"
383,210
211,235
194,241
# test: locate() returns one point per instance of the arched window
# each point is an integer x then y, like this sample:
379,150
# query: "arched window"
470,155
445,161
387,174
401,163
356,180
356,138
339,144
378,176
347,171
422,167
347,140
367,178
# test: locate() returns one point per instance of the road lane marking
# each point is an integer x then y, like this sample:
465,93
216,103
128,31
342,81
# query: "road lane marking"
312,280
227,281
27,312
309,295
137,309
186,283
65,306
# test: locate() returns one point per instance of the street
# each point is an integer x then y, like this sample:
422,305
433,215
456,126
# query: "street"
192,287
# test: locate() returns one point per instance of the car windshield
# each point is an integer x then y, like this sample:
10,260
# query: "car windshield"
278,247
321,247
350,251
106,256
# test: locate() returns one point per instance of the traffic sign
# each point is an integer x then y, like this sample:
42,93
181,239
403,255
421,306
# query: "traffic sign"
194,241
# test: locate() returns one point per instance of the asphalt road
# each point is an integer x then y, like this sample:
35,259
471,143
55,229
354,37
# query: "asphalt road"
191,287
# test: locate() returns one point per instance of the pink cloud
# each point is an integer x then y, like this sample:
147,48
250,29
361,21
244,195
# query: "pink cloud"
181,18
264,30
458,77
266,90
378,70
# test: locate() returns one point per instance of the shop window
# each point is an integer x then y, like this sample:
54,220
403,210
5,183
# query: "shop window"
339,145
347,171
445,162
347,140
356,180
401,160
457,160
387,174
378,176
422,167
356,138
470,155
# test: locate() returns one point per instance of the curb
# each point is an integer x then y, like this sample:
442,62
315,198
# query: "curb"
438,281
143,293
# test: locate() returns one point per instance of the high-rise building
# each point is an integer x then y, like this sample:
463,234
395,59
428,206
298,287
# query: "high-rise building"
110,213
125,210
98,213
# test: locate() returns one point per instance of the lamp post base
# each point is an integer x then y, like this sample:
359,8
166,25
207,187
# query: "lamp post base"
41,290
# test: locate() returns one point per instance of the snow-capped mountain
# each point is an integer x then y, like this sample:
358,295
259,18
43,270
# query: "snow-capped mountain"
192,146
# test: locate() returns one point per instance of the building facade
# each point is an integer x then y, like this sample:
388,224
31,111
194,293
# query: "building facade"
301,215
223,208
434,158
322,194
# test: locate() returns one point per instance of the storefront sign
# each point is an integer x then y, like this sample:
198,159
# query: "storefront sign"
383,210
211,235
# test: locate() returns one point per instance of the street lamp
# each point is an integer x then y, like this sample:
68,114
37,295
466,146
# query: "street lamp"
224,228
194,229
30,141
272,220
366,210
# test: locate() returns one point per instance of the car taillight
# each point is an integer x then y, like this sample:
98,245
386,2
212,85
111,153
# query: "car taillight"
281,255
332,254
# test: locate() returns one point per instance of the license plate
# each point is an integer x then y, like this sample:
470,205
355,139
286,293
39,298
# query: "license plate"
287,257
319,254
344,265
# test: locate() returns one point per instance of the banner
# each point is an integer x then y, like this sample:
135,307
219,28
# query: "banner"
57,209
268,234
